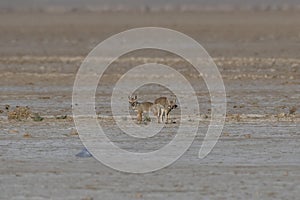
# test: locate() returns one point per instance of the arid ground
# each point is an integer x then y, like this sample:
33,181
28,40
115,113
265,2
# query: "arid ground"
256,157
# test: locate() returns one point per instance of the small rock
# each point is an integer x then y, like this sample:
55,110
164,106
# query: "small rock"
44,97
248,136
36,117
27,135
73,132
147,119
226,134
61,117
281,115
138,195
13,131
7,107
84,154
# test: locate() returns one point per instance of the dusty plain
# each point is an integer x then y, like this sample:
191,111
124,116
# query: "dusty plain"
256,157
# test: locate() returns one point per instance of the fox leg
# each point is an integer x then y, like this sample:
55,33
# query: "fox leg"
158,115
167,117
161,115
139,117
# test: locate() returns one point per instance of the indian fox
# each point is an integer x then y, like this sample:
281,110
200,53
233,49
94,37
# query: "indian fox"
161,108
167,106
140,108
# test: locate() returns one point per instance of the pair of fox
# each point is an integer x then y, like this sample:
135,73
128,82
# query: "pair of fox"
161,108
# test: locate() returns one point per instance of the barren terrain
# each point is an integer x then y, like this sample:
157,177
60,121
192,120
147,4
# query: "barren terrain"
257,156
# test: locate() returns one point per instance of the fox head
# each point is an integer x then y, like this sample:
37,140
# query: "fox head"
172,104
132,100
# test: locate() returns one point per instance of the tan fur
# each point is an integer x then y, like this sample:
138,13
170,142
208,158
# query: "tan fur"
140,108
158,111
161,108
168,105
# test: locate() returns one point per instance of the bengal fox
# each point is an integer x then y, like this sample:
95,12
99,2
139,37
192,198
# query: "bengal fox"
161,108
140,108
168,105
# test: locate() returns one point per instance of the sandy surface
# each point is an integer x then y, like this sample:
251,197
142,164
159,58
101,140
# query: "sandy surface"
257,156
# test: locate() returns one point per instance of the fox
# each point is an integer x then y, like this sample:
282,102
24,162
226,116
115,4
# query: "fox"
167,107
161,108
139,107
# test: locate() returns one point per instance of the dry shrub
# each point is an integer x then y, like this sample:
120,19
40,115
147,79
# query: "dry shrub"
19,113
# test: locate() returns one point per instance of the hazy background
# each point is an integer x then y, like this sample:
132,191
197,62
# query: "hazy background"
147,5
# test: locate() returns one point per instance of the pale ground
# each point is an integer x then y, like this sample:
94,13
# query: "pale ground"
257,156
